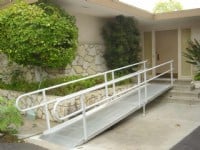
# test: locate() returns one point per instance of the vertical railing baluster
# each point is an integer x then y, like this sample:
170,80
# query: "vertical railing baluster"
144,65
46,110
84,118
171,68
145,92
113,78
106,86
139,90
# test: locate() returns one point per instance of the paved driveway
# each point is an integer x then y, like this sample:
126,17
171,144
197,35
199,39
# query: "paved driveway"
164,125
19,146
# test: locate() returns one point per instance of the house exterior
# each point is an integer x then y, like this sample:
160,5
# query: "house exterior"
163,36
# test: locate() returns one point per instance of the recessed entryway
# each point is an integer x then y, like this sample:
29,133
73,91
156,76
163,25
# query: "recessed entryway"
166,48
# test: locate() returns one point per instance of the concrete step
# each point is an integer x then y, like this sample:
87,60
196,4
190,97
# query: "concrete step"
182,82
183,87
183,93
182,100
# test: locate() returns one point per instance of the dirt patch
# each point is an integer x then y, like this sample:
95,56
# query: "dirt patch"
8,138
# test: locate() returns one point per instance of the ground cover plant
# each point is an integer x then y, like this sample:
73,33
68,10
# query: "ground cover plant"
10,120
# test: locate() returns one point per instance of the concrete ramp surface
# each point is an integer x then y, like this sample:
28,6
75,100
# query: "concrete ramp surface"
89,120
72,135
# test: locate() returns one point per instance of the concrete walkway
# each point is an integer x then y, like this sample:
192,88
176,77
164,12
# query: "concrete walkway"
164,125
20,146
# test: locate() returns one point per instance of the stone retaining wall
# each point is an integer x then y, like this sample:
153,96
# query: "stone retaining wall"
89,60
64,108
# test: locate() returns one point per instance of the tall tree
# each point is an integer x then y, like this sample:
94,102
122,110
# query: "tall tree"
122,39
167,6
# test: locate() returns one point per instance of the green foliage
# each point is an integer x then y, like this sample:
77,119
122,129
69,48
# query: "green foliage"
10,117
197,77
193,56
121,38
167,6
193,53
23,86
71,88
39,35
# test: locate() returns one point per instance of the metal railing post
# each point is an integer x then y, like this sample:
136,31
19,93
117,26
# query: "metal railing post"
84,118
113,78
144,65
46,110
145,92
171,68
139,90
106,86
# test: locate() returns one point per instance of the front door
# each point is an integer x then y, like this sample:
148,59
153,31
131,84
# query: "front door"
167,49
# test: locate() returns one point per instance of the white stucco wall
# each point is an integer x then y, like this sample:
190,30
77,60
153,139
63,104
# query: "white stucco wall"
89,28
195,33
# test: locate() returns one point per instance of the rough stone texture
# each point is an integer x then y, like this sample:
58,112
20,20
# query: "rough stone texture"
89,60
64,108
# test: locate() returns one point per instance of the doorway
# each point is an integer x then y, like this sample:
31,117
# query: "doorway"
166,49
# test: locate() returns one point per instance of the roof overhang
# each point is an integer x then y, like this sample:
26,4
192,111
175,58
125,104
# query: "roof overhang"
104,8
178,14
111,8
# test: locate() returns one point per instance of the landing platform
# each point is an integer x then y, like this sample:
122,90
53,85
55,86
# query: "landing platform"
72,135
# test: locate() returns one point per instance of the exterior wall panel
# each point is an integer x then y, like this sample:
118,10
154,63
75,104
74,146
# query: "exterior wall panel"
186,70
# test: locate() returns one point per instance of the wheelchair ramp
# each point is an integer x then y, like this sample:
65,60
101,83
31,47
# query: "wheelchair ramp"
108,108
73,135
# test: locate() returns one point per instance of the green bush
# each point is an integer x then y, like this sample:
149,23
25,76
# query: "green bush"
121,38
38,35
197,77
24,86
10,117
193,56
71,88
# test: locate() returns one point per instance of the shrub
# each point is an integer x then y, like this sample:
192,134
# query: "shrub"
197,77
10,117
39,35
23,86
121,38
193,55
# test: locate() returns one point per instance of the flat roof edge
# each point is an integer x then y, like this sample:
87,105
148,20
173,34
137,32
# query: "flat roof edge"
177,14
125,8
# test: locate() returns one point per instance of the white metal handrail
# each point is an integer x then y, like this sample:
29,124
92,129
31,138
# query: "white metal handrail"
64,84
105,85
81,79
68,97
45,103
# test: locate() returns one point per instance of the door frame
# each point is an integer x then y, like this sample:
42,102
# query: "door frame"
153,39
